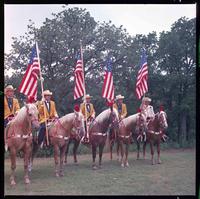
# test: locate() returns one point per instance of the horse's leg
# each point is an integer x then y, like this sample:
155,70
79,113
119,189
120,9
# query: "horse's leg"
144,150
152,153
101,146
158,150
111,147
27,156
94,156
122,153
76,144
118,147
138,150
67,150
126,156
56,151
62,157
13,165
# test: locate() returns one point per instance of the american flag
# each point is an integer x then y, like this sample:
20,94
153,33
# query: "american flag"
28,85
79,79
141,84
108,87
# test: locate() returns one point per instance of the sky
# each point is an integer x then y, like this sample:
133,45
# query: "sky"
137,19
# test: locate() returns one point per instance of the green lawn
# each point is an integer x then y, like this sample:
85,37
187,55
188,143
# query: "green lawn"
175,176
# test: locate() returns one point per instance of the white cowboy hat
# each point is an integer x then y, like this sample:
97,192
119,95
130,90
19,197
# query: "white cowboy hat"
87,96
9,87
146,99
47,92
119,97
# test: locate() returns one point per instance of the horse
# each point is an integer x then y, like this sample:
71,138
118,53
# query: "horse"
59,133
98,132
19,138
154,134
133,125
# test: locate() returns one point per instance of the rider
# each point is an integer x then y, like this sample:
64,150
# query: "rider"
11,108
11,104
147,109
46,108
120,106
90,114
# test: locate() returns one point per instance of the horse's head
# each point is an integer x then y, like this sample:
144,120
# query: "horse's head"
78,123
141,124
32,114
114,119
162,118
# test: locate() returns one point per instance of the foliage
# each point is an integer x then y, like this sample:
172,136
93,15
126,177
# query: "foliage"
171,63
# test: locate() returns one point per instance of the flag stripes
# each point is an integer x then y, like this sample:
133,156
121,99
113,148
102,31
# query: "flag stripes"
108,86
29,81
141,83
79,80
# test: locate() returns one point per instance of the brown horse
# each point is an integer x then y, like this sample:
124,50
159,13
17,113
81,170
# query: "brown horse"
60,134
154,134
19,137
133,125
98,131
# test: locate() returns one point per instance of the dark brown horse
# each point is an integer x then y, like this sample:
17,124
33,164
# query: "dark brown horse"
60,134
132,125
19,137
75,138
154,135
98,132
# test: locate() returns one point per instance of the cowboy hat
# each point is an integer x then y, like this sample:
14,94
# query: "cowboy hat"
119,97
146,99
9,87
87,97
47,92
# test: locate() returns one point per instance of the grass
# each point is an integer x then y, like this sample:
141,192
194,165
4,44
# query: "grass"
175,176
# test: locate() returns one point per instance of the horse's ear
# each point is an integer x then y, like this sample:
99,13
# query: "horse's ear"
161,108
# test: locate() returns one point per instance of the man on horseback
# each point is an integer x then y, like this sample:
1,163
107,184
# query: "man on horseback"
11,104
46,108
89,114
11,107
147,109
120,106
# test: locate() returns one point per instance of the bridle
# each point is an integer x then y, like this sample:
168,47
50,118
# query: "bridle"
141,127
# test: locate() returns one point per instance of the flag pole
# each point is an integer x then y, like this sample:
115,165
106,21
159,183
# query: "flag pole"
42,88
84,90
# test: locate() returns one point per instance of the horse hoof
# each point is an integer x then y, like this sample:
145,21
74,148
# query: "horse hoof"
94,167
122,165
159,161
26,180
127,164
61,174
152,162
76,163
57,175
65,163
100,166
12,183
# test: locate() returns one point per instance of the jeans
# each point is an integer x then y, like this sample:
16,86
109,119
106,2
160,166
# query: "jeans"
41,134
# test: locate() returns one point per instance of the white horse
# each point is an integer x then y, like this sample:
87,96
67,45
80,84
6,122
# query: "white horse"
19,137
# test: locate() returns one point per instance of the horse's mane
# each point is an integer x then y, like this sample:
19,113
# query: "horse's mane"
130,120
105,115
23,112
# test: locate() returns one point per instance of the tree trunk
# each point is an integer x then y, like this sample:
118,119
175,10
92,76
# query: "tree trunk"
183,128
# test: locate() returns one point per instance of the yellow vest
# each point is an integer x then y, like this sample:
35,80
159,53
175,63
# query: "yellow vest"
43,110
15,107
92,111
124,110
